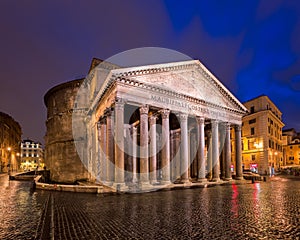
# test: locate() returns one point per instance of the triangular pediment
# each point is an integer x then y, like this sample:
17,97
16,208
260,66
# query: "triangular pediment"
188,78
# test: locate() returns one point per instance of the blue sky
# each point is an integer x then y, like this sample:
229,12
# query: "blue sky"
251,46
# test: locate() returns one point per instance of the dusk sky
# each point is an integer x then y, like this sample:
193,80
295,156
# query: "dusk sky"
252,47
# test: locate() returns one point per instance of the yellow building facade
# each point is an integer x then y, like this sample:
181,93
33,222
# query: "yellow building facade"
291,147
262,136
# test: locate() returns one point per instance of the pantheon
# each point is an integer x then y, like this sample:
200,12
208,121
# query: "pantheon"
147,125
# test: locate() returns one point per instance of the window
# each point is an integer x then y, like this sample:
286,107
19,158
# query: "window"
252,109
252,131
252,121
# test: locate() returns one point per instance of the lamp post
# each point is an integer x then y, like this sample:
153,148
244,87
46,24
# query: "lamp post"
9,161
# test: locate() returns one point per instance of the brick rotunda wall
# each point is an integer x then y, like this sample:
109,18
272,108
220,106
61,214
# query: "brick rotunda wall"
60,152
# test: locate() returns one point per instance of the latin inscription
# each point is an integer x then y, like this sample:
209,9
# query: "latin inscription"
189,106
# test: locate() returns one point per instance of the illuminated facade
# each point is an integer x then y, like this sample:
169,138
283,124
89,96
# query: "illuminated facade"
32,155
262,136
291,147
10,138
173,107
180,109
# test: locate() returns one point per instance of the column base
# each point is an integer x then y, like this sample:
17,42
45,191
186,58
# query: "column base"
201,180
145,187
165,182
216,179
141,184
185,181
239,178
154,182
227,179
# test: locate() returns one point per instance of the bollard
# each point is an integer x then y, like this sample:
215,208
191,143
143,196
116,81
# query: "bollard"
252,180
265,179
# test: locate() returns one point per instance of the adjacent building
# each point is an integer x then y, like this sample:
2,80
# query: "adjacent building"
10,139
291,147
147,125
262,136
32,155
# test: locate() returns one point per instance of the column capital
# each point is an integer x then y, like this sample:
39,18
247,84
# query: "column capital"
152,119
119,103
200,120
227,126
214,121
165,113
119,100
144,109
238,127
108,112
183,116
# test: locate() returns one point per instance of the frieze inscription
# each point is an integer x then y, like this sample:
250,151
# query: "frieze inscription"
189,106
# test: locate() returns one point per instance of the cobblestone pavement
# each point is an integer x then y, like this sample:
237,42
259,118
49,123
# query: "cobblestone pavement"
264,210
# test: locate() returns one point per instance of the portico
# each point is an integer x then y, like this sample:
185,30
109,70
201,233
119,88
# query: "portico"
165,123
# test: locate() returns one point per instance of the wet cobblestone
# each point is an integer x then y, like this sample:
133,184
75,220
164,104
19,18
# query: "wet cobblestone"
264,210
